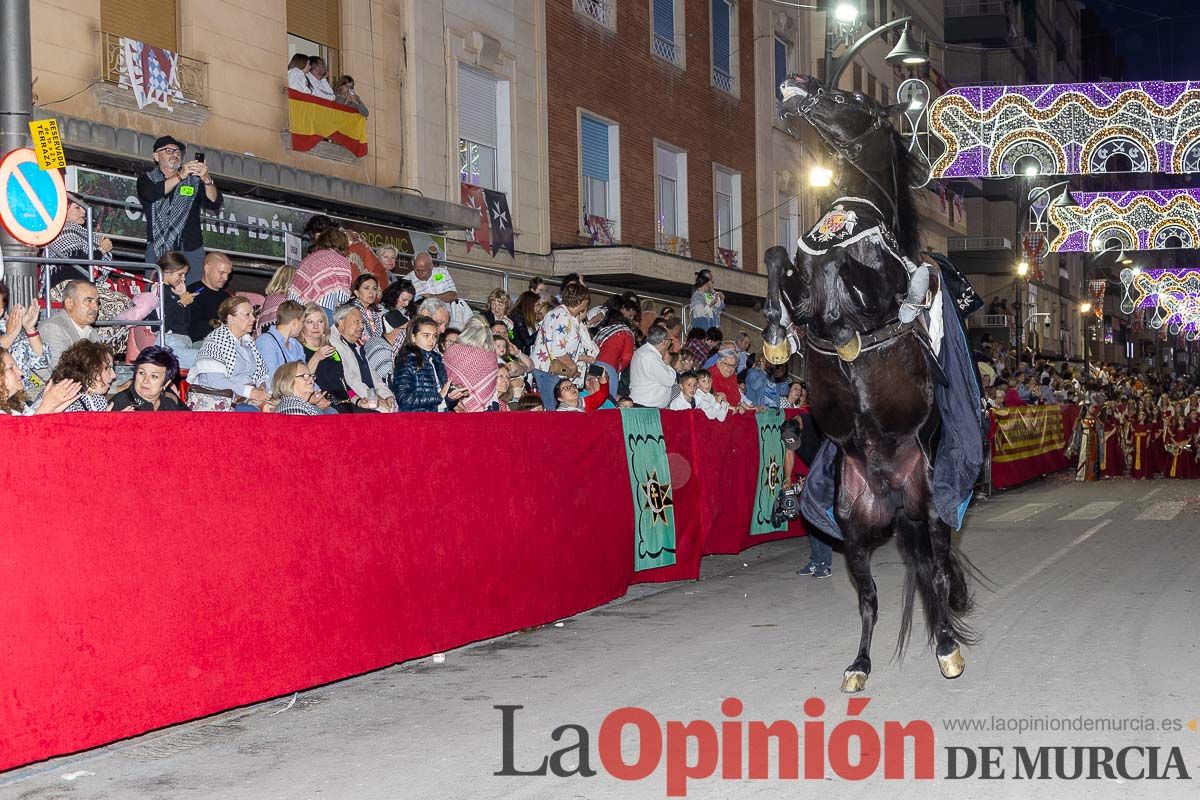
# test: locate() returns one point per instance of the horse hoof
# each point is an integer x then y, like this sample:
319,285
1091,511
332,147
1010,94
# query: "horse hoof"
854,681
953,664
776,353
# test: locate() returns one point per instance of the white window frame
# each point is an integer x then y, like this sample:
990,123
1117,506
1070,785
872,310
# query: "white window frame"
681,187
735,231
598,12
503,149
614,169
734,56
680,33
787,220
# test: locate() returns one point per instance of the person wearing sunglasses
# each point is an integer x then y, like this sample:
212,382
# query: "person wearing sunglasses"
172,196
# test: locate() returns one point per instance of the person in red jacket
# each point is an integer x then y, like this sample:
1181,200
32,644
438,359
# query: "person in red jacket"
724,378
615,339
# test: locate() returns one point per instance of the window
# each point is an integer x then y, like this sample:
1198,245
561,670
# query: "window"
599,161
782,65
785,221
667,30
480,154
722,45
727,191
314,28
670,196
154,22
602,11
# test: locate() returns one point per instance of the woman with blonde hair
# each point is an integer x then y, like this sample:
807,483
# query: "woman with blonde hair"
294,391
471,364
498,305
276,292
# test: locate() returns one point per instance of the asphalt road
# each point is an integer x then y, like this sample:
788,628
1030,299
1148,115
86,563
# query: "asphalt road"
1092,620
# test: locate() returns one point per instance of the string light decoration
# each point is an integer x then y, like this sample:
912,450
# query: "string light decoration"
1167,299
1139,220
1067,128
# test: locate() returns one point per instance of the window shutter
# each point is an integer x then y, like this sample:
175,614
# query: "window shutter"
664,19
720,15
315,20
780,66
594,136
724,183
665,163
154,22
476,106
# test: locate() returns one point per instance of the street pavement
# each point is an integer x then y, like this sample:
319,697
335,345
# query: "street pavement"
1092,619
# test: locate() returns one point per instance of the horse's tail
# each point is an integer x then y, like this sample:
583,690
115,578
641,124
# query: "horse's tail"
914,537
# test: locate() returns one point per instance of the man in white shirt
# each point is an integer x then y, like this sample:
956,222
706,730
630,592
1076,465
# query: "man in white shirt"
650,377
318,76
81,307
433,280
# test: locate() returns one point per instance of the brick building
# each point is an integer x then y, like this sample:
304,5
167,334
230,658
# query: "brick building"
651,135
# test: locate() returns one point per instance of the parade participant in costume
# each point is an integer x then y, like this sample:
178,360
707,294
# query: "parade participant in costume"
1158,453
1085,444
1178,446
1139,434
1112,454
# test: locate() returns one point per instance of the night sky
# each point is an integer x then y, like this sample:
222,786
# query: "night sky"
1158,38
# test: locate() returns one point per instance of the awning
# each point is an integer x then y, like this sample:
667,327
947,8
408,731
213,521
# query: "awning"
130,151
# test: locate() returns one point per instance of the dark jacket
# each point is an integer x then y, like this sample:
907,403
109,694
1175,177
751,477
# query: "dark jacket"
417,381
131,399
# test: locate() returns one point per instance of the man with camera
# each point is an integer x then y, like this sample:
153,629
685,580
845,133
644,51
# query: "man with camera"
172,196
800,437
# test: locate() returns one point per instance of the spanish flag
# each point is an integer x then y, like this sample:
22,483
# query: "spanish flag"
313,119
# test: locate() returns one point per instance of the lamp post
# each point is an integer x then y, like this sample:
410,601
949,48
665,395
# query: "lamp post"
16,100
1022,271
1024,206
842,20
1085,309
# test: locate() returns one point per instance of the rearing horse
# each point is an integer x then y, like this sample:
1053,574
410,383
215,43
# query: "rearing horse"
858,286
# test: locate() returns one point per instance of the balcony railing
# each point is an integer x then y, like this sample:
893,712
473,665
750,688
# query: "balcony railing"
599,10
666,48
971,8
191,75
989,321
722,80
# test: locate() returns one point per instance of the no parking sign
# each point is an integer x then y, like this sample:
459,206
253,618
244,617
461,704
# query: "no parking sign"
33,201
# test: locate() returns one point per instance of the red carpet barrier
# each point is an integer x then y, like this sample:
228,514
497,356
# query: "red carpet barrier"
1028,442
162,567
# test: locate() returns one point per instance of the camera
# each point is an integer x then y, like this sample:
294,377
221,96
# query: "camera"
787,506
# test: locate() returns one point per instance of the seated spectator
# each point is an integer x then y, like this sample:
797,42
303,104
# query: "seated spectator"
81,307
344,93
530,402
154,374
596,390
366,299
615,340
647,317
388,255
366,388
508,355
397,298
432,280
275,294
209,293
727,344
294,392
558,349
697,344
382,351
539,288
19,335
765,385
714,406
318,78
471,364
525,321
797,396
419,382
742,342
684,361
281,343
177,311
566,396
498,306
437,311
230,373
689,382
55,397
1013,399
90,365
724,378
323,277
650,378
73,242
447,337
297,74
323,361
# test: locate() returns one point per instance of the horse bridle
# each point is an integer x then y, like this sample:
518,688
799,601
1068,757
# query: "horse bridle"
862,342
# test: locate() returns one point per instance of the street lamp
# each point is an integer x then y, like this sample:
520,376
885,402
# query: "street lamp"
819,177
844,16
1085,308
905,53
845,12
1024,205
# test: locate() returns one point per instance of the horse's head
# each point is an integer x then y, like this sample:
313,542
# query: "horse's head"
851,123
846,297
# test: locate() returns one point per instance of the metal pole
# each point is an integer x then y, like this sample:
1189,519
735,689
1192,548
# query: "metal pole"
16,101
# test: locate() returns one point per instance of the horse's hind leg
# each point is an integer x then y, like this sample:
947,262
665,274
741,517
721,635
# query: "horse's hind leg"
858,562
948,585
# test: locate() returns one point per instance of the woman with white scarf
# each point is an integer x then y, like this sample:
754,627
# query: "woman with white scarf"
230,373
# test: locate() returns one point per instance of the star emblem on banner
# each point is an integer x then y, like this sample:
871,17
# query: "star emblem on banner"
500,216
656,497
473,204
772,477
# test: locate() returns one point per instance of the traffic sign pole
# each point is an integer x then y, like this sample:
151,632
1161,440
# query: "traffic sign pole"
16,100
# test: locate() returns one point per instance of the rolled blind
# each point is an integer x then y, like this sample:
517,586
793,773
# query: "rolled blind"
720,15
724,183
664,19
315,20
154,22
594,136
476,106
664,163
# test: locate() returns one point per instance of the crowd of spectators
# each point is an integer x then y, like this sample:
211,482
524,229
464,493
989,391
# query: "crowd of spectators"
310,75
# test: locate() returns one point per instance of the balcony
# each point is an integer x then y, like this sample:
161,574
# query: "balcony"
977,21
667,49
600,11
180,94
722,80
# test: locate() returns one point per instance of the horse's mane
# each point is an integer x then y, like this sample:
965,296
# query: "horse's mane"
906,209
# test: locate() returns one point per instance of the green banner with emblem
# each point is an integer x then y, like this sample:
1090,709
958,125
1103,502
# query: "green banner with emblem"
770,471
650,482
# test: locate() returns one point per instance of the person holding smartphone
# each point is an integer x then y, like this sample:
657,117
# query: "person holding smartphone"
172,195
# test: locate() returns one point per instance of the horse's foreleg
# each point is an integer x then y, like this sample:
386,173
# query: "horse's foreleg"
858,561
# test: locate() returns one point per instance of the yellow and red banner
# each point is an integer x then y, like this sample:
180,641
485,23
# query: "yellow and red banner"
1028,442
313,119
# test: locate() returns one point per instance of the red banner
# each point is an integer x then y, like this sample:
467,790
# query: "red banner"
1028,442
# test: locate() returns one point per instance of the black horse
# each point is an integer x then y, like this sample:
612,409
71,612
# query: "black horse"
856,285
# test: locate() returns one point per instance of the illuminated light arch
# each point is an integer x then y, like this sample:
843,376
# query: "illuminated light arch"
1141,215
1179,228
974,122
1012,148
1170,296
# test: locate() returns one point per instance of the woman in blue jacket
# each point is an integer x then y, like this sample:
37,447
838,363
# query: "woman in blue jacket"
419,378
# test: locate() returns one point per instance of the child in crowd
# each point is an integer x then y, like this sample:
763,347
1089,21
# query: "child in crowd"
688,382
419,381
714,406
566,394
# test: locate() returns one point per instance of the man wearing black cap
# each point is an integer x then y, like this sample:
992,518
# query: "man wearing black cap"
172,195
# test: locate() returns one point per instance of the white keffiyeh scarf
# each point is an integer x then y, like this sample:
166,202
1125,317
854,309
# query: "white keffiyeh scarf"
221,347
